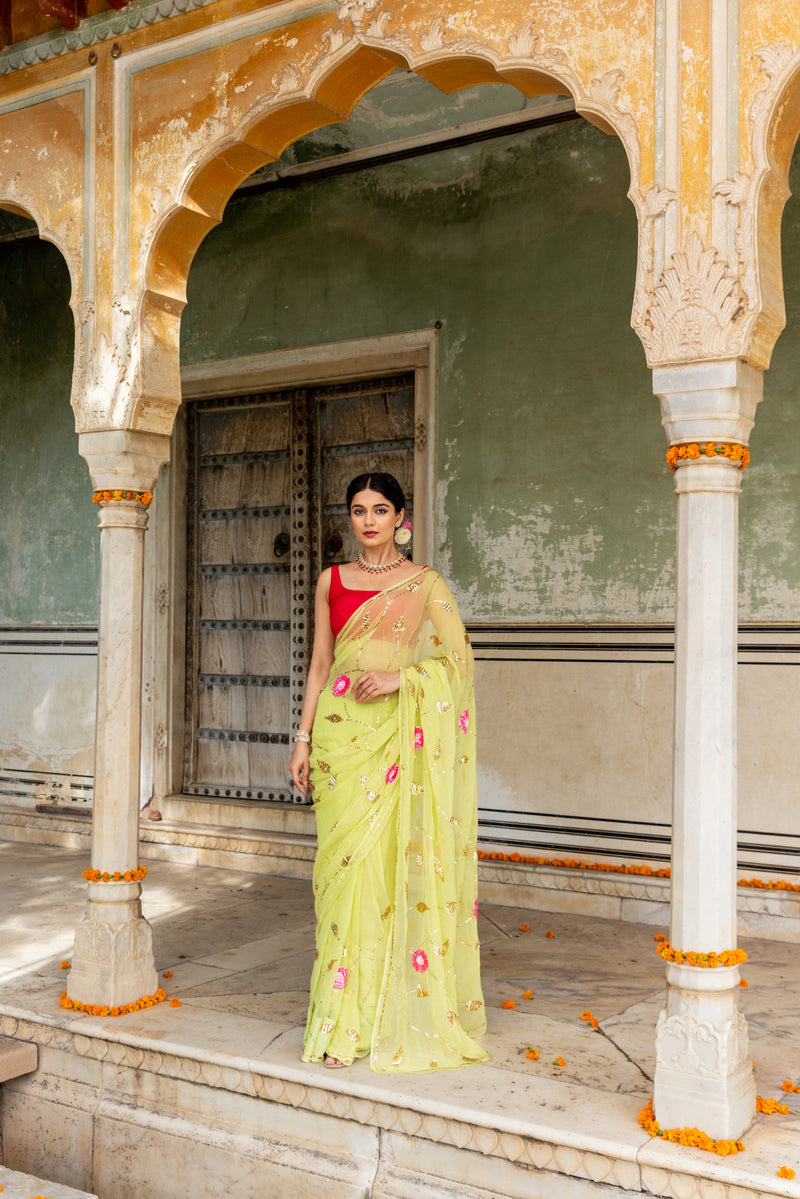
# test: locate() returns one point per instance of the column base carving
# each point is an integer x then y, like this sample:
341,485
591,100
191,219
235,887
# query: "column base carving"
704,1076
113,961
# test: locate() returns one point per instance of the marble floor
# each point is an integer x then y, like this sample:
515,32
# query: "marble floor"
240,948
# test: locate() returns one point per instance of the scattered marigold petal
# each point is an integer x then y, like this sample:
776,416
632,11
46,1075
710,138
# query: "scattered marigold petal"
591,1019
559,1062
785,1172
524,928
550,935
531,1053
168,974
743,982
528,995
508,1003
65,965
771,1107
174,1002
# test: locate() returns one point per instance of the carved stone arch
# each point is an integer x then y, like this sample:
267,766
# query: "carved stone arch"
350,59
761,194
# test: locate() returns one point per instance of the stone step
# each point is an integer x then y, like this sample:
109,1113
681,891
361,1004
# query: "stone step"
16,1058
25,1186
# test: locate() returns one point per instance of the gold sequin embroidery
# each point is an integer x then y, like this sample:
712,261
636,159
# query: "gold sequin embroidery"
331,782
422,907
436,640
399,625
443,705
346,861
353,1035
421,670
441,950
334,718
451,1018
398,1057
421,992
386,913
417,789
335,930
323,766
472,1005
462,761
451,906
327,1026
439,868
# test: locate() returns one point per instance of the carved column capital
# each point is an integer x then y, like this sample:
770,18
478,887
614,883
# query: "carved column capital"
708,401
119,459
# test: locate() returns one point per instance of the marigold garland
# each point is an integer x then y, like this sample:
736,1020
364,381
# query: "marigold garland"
683,957
692,1137
118,876
644,870
124,1009
145,498
709,449
771,1107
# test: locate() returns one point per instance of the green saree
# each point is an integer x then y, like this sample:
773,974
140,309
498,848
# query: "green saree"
397,972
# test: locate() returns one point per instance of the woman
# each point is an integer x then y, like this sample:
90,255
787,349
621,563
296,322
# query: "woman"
392,773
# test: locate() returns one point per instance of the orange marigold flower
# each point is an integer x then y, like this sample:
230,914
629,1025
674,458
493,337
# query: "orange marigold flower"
550,935
693,450
531,1053
790,1087
528,995
743,982
710,449
174,1002
167,974
524,928
590,1019
659,937
508,1003
64,965
771,1107
785,1172
559,1062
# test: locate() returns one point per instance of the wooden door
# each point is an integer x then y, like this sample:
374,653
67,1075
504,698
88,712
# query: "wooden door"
267,480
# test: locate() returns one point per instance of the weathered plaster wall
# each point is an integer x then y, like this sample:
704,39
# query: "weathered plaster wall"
49,544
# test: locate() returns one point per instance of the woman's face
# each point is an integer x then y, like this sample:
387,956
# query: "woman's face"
374,519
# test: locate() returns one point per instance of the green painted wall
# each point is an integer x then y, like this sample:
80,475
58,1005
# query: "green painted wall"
49,542
555,501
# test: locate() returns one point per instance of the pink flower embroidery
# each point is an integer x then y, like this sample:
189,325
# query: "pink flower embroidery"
419,960
475,909
341,684
341,979
419,739
391,773
463,721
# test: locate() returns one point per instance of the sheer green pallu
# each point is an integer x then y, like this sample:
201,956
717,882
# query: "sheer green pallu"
397,971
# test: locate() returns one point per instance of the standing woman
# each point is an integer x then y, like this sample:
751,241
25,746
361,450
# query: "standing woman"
390,763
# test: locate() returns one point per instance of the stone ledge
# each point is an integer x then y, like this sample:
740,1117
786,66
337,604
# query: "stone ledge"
23,1186
16,1058
535,1126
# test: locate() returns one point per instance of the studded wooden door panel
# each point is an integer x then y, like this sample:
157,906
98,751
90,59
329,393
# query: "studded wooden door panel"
267,481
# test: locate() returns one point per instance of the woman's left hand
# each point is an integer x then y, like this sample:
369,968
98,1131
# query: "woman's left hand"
375,683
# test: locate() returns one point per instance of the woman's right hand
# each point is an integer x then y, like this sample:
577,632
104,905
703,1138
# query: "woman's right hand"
298,766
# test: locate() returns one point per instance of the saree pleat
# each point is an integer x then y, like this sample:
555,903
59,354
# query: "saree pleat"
397,972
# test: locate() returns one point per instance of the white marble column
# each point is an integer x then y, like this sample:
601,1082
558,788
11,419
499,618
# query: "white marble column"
112,963
703,1074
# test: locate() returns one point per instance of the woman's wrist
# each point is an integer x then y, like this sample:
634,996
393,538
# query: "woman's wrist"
303,737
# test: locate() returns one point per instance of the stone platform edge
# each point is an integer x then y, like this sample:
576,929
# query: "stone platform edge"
627,1159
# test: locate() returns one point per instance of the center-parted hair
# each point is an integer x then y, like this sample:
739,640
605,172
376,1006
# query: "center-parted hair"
385,485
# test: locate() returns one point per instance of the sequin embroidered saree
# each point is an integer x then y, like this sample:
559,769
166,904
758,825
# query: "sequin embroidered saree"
397,973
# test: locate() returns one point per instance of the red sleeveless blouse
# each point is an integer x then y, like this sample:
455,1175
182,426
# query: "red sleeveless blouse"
344,601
